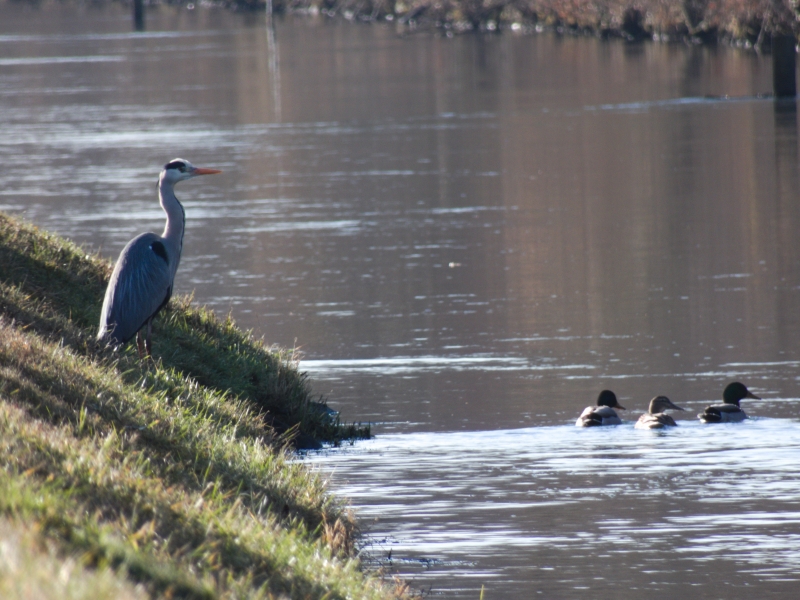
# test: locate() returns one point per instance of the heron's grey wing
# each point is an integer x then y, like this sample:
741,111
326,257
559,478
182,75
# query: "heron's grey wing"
140,285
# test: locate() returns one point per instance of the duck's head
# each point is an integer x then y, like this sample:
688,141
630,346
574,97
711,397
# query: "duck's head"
734,392
660,404
609,398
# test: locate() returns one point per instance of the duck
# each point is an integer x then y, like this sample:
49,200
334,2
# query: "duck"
655,417
729,411
603,413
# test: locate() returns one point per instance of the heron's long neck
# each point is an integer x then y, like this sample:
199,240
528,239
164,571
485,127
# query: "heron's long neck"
176,218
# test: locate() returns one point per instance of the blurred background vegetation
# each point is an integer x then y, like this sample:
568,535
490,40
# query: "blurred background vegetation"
744,22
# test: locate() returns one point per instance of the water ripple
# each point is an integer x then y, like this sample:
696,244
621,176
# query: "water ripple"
604,500
404,364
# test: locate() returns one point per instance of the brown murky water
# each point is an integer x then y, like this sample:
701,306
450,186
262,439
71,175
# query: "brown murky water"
468,239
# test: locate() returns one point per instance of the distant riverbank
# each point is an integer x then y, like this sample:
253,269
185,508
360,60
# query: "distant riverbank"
741,22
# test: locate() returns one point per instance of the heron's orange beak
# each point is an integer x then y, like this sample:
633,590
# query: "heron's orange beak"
206,171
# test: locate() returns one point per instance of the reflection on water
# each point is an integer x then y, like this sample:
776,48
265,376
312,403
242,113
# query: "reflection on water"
471,236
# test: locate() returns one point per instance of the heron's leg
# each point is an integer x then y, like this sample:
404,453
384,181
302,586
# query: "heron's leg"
140,343
147,345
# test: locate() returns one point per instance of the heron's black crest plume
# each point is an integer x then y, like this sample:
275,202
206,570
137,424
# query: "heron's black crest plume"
176,164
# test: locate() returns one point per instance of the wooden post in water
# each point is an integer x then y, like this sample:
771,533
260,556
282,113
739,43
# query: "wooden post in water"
138,15
784,66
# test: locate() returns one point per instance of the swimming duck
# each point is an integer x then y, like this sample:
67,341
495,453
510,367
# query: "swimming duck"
655,417
729,412
603,413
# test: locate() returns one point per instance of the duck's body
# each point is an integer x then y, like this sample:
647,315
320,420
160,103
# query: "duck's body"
729,411
603,413
722,413
593,416
655,417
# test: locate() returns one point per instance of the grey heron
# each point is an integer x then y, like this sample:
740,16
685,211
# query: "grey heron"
141,283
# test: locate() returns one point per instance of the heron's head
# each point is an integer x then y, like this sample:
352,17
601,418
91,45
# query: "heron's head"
179,169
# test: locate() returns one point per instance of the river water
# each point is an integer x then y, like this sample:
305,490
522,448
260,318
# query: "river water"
468,239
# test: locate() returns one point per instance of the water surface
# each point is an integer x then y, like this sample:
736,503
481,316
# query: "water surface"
468,239
557,511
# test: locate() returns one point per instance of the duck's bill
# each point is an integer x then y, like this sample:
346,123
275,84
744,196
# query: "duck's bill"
752,395
201,171
619,406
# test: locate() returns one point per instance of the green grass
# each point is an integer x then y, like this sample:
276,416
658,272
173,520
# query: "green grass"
172,475
54,287
31,569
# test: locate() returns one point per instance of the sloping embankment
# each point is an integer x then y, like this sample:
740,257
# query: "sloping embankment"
168,478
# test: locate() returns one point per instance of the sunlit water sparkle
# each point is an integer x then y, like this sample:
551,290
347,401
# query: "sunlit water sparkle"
689,505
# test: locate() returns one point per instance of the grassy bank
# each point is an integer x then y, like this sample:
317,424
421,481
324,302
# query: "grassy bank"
164,479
